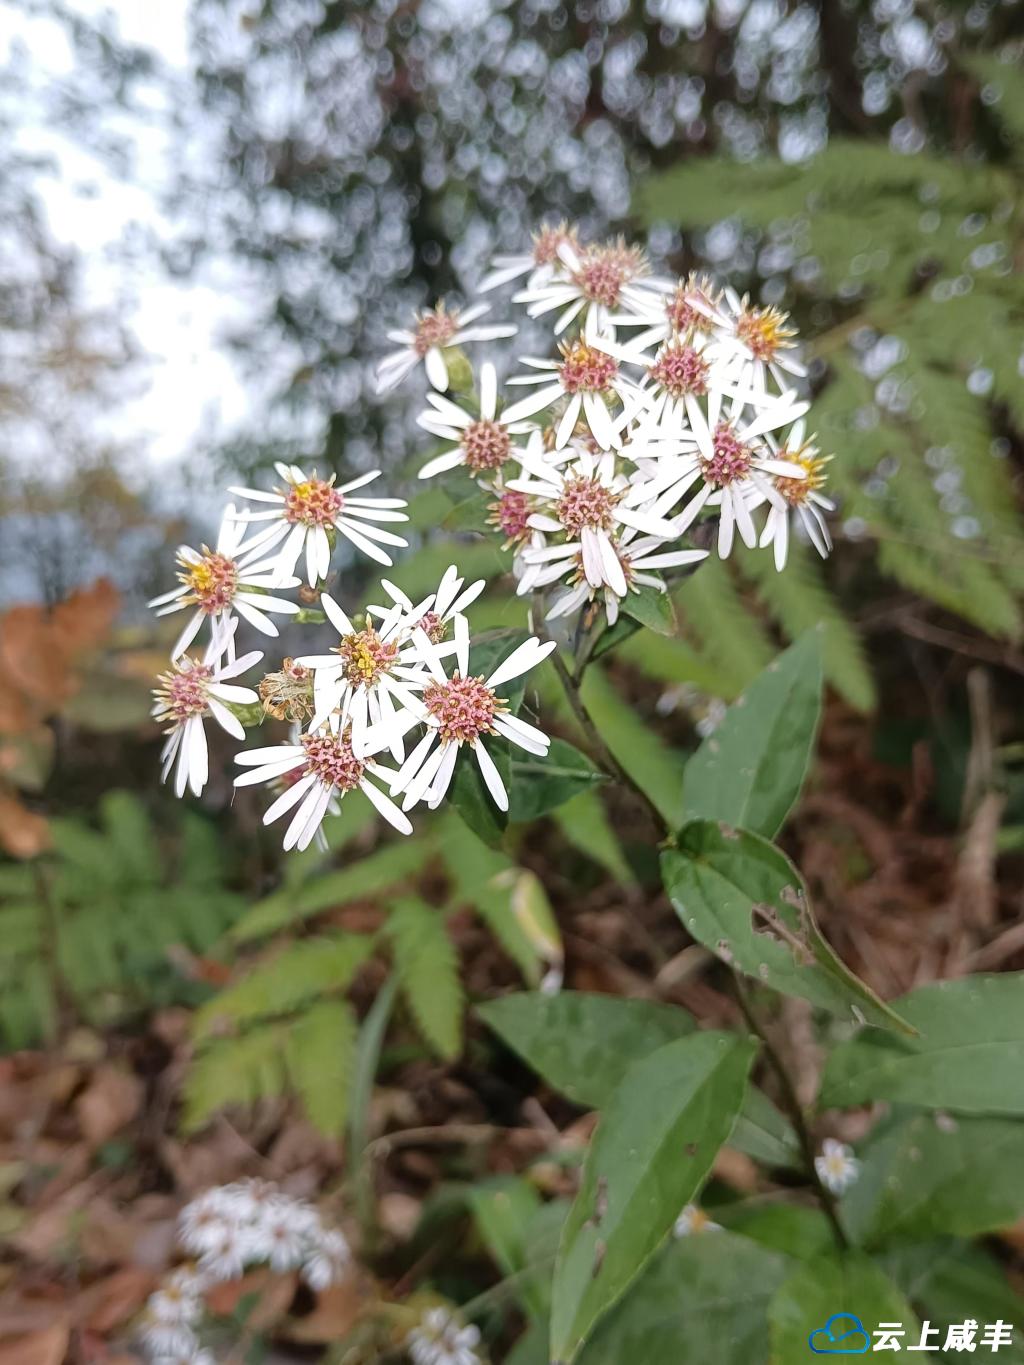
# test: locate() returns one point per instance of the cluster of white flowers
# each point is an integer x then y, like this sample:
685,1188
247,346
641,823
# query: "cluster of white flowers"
229,1230
439,1339
666,397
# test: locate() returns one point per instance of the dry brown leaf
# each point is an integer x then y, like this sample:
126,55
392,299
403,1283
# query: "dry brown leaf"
112,1301
22,834
47,1347
336,1313
109,1103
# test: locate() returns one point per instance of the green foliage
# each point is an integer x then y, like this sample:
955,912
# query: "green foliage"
966,1057
830,1285
94,925
540,785
741,897
701,1299
924,1175
320,1057
651,1152
749,772
919,249
428,973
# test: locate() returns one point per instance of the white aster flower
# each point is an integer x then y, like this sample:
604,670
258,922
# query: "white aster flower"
226,1258
596,281
801,497
435,613
837,1167
587,505
540,263
372,676
440,1340
320,769
307,509
435,331
461,710
735,470
326,1261
756,343
175,1304
589,381
199,1356
189,692
220,582
169,1340
691,310
693,1221
483,441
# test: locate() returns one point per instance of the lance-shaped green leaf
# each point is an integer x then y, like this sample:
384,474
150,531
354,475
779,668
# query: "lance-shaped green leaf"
584,1044
966,1056
837,1302
540,784
931,1175
741,897
703,1299
650,1154
750,770
652,607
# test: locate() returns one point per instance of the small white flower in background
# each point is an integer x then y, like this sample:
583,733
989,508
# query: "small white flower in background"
595,281
189,692
483,440
320,769
232,1228
693,1221
304,513
690,310
435,331
442,607
540,263
440,1340
801,497
589,380
837,1167
197,1357
220,582
461,710
371,678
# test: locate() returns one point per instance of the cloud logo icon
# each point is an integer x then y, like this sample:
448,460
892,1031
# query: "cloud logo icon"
842,1335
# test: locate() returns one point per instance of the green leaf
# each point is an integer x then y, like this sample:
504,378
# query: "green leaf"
287,980
583,1044
320,1053
643,754
953,1282
362,880
966,1057
469,796
927,1175
652,607
750,770
130,833
505,1208
741,897
585,824
649,1155
834,1284
702,1301
799,1231
539,785
428,972
234,1071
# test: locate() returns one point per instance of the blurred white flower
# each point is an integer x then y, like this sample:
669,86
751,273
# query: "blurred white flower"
435,331
596,281
693,1220
837,1167
307,510
588,380
540,263
483,438
440,1340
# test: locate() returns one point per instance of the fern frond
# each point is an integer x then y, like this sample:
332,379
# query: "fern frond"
320,1056
428,974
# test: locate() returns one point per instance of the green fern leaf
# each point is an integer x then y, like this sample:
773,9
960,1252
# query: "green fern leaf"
320,1054
239,1070
428,974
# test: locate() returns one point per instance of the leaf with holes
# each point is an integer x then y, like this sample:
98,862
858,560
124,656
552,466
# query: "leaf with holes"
741,897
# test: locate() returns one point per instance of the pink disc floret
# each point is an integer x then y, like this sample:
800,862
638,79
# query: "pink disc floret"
680,369
463,707
330,758
434,328
314,502
485,445
731,459
585,369
585,504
